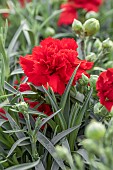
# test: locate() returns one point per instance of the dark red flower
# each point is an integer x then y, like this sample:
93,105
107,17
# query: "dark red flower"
5,15
2,113
92,5
23,2
53,62
68,15
24,87
70,9
104,87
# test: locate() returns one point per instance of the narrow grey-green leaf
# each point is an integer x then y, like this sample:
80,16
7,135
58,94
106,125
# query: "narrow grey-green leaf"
55,166
16,144
63,134
14,131
10,88
65,95
2,121
14,126
60,116
24,166
40,166
50,148
48,118
17,71
14,39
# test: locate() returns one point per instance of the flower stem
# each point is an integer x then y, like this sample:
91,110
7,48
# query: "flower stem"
32,137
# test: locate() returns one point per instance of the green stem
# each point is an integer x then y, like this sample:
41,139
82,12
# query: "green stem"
32,138
82,49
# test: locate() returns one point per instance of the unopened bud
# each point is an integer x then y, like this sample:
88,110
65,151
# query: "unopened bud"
84,80
98,44
107,44
77,26
89,145
49,31
62,152
97,108
93,80
109,64
21,107
95,130
91,57
91,14
100,110
91,27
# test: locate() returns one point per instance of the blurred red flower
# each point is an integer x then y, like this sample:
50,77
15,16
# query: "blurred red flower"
5,15
70,9
53,62
68,15
104,87
2,111
23,2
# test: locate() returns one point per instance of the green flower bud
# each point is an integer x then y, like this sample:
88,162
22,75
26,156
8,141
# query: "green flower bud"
91,14
84,80
49,32
21,107
107,44
91,57
89,145
91,27
77,26
99,109
62,152
95,130
109,64
98,44
93,80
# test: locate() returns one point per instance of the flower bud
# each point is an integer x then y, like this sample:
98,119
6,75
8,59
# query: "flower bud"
84,80
107,44
91,27
89,145
91,57
21,107
93,80
95,130
98,44
49,32
109,64
99,110
91,14
62,152
77,26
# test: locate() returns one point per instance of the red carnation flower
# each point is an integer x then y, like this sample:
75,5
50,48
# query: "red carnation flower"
70,9
68,15
23,2
24,87
92,5
53,63
5,15
2,113
104,87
